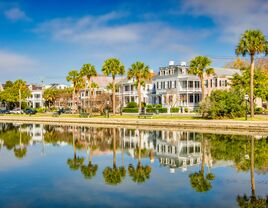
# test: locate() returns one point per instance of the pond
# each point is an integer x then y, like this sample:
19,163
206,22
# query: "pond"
82,166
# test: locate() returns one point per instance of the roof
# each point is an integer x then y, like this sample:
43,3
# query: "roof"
226,71
103,81
125,80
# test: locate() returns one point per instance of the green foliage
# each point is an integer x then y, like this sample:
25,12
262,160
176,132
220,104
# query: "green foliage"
174,110
252,201
113,66
223,104
114,176
186,110
132,105
139,174
11,91
200,65
20,152
75,163
252,42
241,83
130,110
199,182
89,170
88,70
149,106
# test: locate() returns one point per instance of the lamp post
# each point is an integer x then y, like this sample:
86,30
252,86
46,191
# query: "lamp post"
246,99
107,108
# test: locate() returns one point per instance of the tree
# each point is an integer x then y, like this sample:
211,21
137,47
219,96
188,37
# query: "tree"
237,64
88,71
140,72
241,83
252,42
50,95
223,104
78,83
200,66
114,67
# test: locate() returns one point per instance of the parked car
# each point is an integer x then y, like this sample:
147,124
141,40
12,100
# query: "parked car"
4,111
30,111
16,111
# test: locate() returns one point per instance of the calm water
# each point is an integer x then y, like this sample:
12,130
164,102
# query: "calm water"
65,166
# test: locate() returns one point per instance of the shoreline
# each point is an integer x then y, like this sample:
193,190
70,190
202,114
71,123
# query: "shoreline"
206,126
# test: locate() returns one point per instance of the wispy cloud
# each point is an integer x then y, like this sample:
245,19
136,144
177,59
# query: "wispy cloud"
16,14
13,63
231,17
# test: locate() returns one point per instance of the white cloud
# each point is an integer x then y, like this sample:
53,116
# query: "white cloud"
16,14
11,63
232,18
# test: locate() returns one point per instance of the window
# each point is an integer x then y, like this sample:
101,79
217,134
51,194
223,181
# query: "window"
191,98
211,83
184,84
216,82
206,83
226,83
197,98
175,84
157,85
197,84
126,88
190,84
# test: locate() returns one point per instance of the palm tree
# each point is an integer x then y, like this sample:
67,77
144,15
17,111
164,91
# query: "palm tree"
200,66
141,173
114,175
140,72
114,67
22,150
88,71
252,42
78,83
199,181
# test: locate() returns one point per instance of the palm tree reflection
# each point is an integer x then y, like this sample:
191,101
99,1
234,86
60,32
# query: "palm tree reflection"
253,200
114,175
141,173
199,181
76,162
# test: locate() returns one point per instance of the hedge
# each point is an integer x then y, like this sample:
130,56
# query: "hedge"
130,110
174,110
132,105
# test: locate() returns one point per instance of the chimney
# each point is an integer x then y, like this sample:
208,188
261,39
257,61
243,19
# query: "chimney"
171,63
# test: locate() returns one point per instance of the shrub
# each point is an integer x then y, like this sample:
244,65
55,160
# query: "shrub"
174,110
259,110
186,110
40,110
130,110
132,105
223,104
149,106
162,110
158,106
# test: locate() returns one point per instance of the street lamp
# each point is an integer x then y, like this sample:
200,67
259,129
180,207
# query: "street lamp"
246,99
107,109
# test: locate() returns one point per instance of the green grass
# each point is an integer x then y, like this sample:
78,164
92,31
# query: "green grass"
155,117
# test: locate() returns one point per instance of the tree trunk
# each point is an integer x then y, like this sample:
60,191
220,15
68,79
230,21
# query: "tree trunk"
139,95
19,98
89,96
203,156
73,102
114,149
252,167
252,85
139,153
202,87
113,95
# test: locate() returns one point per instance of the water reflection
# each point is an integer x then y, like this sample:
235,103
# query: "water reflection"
196,154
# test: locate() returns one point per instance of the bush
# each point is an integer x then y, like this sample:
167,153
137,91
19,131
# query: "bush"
258,110
186,110
149,106
223,104
162,110
158,106
130,110
174,110
132,105
40,110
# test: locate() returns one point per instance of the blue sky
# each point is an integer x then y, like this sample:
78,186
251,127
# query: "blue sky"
43,40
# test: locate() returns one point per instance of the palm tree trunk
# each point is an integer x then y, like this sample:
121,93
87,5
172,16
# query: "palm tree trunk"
139,94
202,87
74,143
139,154
73,107
252,85
91,154
252,167
19,99
89,97
114,149
113,95
203,156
